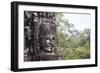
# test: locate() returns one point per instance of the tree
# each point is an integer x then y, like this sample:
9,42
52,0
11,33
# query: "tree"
72,44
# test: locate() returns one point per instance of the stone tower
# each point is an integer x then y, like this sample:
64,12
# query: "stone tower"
41,36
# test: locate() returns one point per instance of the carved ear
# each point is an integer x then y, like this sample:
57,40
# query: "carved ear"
53,37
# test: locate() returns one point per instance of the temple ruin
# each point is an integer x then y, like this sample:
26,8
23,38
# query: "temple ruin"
40,36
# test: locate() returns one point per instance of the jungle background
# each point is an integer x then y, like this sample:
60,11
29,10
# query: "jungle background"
72,43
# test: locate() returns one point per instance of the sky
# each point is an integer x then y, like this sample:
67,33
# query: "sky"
81,21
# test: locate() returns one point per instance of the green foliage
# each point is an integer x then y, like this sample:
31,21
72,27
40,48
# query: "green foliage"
76,53
72,44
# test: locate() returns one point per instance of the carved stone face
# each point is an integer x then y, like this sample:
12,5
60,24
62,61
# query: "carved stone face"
47,30
48,43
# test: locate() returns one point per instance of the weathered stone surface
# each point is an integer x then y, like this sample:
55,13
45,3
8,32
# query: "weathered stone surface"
40,36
